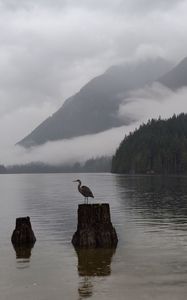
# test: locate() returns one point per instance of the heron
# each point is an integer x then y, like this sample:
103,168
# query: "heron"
84,190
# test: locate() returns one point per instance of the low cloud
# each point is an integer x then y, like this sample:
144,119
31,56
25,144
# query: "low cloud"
68,151
50,49
153,102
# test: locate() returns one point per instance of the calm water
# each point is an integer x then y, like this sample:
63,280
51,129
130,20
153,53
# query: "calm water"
150,216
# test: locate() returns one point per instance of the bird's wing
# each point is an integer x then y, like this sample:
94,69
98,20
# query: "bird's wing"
86,191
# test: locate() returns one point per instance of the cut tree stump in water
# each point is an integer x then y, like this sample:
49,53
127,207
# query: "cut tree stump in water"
94,228
23,233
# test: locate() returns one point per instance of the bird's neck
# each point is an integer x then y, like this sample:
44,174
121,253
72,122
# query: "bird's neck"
79,185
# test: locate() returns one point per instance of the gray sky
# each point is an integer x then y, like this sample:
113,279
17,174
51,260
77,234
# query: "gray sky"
50,48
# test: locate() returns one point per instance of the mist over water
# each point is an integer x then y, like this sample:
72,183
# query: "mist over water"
69,151
149,214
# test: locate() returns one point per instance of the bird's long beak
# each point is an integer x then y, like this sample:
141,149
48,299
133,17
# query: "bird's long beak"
74,181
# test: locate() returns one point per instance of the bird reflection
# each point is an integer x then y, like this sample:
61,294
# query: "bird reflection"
92,263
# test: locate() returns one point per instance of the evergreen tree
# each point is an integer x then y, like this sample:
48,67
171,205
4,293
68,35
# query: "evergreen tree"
160,146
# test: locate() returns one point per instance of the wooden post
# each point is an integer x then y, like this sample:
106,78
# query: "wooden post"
23,233
94,229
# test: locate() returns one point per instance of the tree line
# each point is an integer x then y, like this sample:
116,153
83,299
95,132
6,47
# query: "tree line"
159,146
99,164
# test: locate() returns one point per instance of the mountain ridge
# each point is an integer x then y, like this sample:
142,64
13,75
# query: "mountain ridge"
176,77
95,107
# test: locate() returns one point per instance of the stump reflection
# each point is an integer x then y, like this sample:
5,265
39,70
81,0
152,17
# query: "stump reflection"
92,263
85,288
23,252
23,240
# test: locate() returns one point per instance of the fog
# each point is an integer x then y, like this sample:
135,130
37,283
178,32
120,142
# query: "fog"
50,49
68,151
151,102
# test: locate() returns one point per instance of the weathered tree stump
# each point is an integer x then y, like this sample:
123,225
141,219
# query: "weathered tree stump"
94,229
23,233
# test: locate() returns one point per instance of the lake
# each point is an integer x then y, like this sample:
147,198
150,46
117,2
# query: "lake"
148,212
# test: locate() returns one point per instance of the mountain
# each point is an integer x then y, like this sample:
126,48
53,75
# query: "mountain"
160,147
176,78
95,107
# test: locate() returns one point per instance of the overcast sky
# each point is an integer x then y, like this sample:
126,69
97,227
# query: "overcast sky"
50,48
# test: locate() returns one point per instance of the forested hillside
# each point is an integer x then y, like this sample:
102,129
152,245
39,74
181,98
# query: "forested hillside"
160,147
99,165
